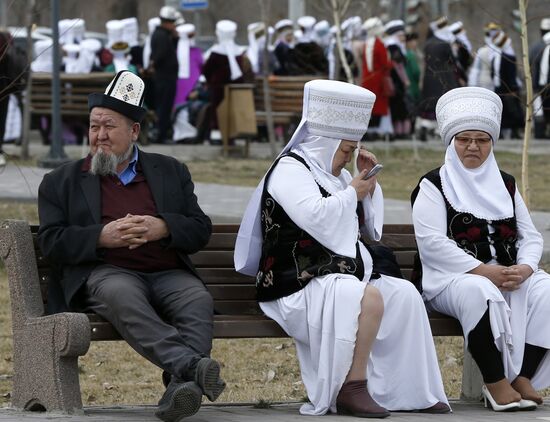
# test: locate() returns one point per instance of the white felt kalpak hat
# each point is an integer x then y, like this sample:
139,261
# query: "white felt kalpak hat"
168,13
123,95
468,108
306,22
334,109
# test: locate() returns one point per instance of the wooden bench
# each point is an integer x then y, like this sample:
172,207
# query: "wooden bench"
46,347
287,94
74,89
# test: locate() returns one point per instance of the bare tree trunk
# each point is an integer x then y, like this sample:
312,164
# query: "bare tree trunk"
338,13
529,105
26,129
265,6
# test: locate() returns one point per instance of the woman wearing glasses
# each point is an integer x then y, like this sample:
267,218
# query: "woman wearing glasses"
480,253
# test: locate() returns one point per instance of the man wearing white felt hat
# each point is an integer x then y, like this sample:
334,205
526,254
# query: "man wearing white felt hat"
299,237
121,224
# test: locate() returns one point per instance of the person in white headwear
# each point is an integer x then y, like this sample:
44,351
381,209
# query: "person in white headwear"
375,76
543,83
190,63
307,57
43,53
306,24
79,29
256,41
507,85
480,71
66,32
70,59
284,43
165,67
480,253
299,237
397,50
354,45
462,49
440,73
121,58
227,63
89,48
131,36
539,57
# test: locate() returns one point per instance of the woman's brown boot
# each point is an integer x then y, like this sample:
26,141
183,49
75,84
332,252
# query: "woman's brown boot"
354,399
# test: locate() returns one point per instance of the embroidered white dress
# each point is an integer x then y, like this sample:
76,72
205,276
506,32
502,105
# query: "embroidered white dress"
517,317
402,373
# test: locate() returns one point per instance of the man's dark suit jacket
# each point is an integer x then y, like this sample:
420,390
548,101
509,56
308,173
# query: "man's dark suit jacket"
69,206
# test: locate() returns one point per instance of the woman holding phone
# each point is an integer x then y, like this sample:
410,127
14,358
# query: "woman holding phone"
300,237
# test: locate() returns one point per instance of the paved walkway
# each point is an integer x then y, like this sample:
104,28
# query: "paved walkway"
462,412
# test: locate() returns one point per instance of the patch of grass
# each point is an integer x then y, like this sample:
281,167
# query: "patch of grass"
398,179
19,211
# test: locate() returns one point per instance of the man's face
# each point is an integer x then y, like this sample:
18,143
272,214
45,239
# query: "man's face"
111,132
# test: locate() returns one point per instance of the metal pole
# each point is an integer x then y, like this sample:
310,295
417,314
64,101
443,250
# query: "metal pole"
57,154
4,13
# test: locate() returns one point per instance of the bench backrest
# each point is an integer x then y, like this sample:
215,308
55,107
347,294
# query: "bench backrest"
287,92
234,293
74,91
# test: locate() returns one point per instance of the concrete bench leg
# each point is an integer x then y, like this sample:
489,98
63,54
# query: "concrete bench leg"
471,379
45,363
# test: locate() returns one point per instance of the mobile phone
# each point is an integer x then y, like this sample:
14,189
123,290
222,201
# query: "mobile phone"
373,171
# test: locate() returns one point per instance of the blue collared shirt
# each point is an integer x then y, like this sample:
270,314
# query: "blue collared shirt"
128,174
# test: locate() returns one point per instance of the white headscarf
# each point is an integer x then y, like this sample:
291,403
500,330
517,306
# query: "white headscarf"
120,60
71,59
184,50
480,191
306,24
226,31
43,53
87,57
255,44
374,28
318,152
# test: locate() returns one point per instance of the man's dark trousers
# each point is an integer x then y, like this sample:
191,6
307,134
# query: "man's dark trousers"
165,92
165,316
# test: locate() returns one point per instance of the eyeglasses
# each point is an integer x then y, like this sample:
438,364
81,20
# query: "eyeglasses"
464,141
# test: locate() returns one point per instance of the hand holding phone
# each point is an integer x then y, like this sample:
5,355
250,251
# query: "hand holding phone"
373,171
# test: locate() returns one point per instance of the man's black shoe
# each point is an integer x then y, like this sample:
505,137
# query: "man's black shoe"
180,400
207,376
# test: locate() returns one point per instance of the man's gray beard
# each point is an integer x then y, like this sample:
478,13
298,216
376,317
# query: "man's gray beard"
104,164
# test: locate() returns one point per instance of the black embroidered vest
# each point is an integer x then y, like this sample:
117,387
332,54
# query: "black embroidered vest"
291,257
472,234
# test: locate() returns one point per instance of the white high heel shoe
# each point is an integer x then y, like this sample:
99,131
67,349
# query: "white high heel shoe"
525,404
510,407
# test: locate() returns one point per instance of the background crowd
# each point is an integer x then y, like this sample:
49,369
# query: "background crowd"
184,84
